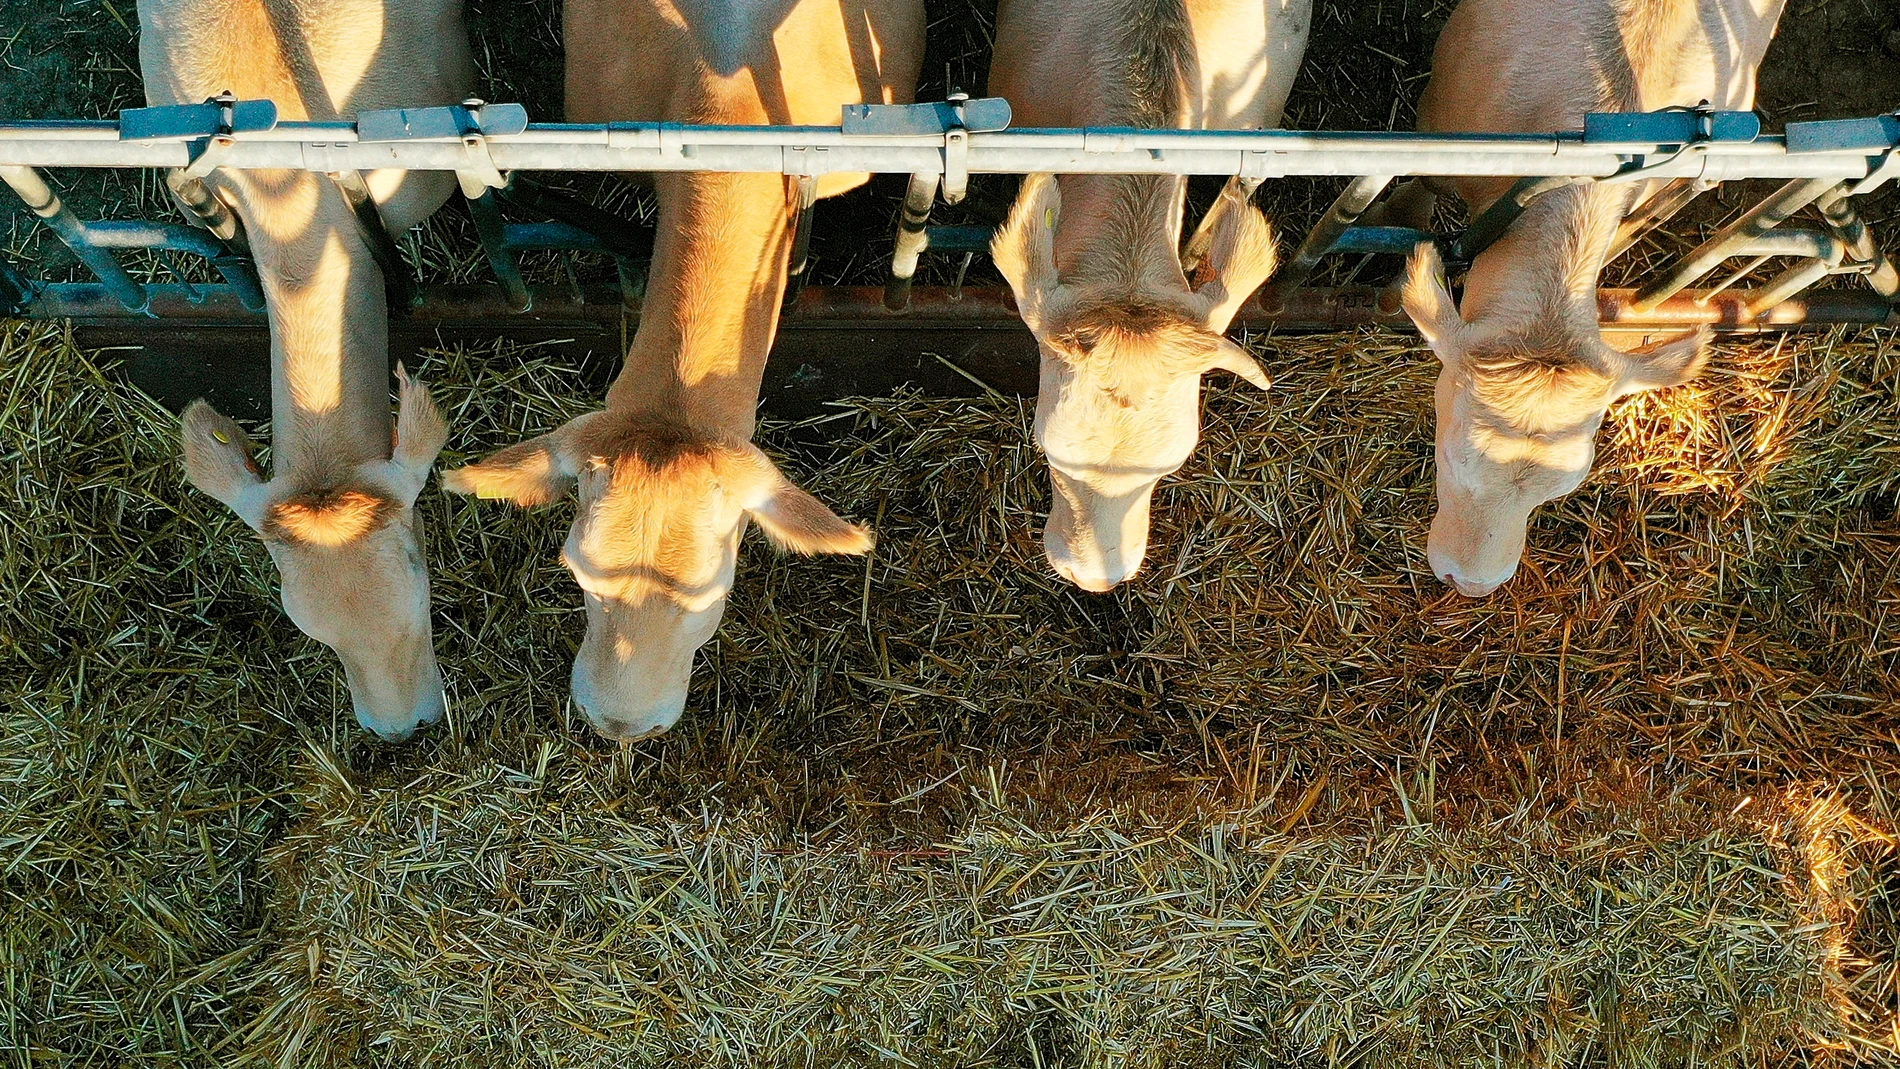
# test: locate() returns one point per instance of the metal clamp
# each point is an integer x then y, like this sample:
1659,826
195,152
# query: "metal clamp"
954,119
217,121
1691,129
472,122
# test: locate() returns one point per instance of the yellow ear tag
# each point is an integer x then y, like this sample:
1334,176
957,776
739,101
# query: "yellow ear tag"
1049,218
491,493
221,436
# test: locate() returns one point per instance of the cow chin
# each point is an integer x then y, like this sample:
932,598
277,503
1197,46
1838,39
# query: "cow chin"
393,697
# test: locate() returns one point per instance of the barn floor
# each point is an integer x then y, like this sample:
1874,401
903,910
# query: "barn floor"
1281,802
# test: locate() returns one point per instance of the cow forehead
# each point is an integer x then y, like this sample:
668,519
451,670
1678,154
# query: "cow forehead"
670,526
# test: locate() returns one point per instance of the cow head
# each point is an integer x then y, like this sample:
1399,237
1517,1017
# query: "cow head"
1119,403
1518,413
653,546
348,550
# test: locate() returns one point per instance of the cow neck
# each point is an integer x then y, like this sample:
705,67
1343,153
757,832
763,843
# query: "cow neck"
712,301
1120,232
329,331
1547,264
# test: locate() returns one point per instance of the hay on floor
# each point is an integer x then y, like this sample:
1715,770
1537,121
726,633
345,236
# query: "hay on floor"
515,918
1704,626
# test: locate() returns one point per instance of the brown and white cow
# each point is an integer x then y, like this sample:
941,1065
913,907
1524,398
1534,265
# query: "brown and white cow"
336,511
1526,375
1096,261
667,474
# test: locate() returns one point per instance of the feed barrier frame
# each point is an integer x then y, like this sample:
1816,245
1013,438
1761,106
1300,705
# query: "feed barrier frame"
939,145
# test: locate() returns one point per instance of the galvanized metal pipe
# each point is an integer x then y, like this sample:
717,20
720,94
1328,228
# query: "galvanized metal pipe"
1661,207
43,202
1837,207
1734,239
1822,254
818,150
913,237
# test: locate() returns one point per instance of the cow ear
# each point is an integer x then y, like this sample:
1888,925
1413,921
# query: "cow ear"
1659,366
526,473
1233,254
796,521
793,519
1429,302
218,462
1024,248
1234,360
420,432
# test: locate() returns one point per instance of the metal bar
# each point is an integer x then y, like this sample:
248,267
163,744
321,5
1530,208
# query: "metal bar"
553,236
202,204
15,290
1735,237
1661,207
238,270
913,237
1837,208
800,257
934,310
1345,211
961,238
1398,240
1491,224
1795,279
493,233
46,204
399,287
616,235
818,150
1821,255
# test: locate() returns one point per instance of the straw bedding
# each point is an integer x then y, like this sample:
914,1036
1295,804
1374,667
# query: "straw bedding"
1283,801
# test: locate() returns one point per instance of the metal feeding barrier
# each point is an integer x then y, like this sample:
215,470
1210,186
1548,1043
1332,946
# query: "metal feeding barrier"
492,148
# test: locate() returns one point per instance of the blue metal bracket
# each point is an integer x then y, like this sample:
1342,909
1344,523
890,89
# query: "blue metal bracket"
953,119
933,119
214,123
452,121
221,115
472,122
1877,134
1671,126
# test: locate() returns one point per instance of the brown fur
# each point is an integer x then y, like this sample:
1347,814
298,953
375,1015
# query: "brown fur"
1135,326
332,517
1152,44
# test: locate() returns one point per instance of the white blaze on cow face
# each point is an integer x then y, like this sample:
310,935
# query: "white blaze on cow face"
348,550
1518,412
653,546
1119,403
